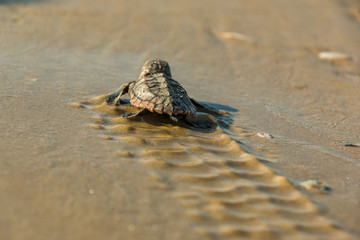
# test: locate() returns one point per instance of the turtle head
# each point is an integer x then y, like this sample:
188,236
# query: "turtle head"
155,66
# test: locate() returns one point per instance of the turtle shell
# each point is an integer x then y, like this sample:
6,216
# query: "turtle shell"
162,94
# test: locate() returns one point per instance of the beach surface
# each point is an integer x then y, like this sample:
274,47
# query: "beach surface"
283,163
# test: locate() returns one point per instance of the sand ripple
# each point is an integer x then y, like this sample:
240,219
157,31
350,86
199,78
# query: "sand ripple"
227,192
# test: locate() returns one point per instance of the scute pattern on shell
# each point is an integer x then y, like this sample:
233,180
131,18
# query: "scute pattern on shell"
159,93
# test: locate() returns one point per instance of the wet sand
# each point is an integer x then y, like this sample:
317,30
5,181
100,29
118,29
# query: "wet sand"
70,173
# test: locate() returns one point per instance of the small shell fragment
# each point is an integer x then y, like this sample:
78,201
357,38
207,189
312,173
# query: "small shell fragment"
349,144
235,36
265,135
333,56
31,79
315,185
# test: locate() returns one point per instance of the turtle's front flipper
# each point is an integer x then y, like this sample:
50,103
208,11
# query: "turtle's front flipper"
208,108
114,97
134,114
201,120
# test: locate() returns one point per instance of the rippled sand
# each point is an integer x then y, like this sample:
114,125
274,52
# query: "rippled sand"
227,192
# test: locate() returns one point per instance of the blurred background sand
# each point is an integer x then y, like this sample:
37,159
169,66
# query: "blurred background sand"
59,180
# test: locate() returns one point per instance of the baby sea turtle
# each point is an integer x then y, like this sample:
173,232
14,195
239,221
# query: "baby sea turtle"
156,91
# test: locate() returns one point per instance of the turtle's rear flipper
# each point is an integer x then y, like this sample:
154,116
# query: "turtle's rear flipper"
113,98
201,120
134,114
204,107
